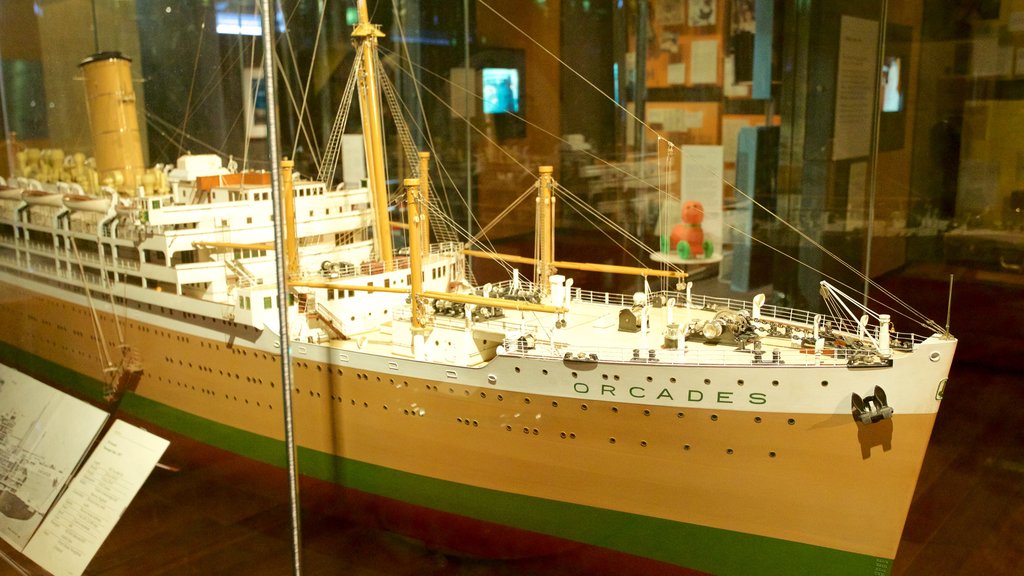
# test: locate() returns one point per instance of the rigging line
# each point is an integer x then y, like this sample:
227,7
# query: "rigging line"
484,243
309,78
279,67
921,320
632,238
286,40
583,209
424,130
570,195
101,342
192,85
605,232
805,236
227,62
483,134
539,128
826,251
480,132
508,209
158,122
810,240
567,67
253,97
867,279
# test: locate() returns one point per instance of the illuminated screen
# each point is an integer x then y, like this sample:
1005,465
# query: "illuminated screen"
892,91
501,90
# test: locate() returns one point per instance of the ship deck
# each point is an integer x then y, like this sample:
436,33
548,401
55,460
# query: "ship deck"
591,332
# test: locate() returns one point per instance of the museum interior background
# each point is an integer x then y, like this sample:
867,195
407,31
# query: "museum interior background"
926,170
910,175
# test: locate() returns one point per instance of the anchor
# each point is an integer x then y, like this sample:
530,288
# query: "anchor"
871,409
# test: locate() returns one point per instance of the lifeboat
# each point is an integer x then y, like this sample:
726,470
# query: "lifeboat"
10,193
42,198
86,203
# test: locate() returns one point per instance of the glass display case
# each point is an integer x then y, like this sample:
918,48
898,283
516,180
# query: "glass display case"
566,286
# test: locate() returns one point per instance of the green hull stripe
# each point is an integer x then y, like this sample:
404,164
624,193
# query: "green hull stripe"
698,547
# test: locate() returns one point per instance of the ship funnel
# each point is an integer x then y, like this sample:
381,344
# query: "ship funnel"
115,126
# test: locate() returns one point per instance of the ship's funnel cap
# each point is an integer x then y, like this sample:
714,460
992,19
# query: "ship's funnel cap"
100,56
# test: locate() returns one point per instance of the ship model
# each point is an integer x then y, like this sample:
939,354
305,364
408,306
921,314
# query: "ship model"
706,434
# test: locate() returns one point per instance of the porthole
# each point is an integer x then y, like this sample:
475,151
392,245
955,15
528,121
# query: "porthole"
575,375
544,372
771,454
647,412
714,417
686,446
500,397
728,451
679,414
739,382
757,419
707,381
583,407
791,421
615,409
562,435
611,440
643,443
824,383
554,404
775,382
508,428
526,400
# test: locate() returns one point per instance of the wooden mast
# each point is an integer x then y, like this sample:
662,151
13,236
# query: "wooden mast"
545,229
412,187
373,139
425,198
291,246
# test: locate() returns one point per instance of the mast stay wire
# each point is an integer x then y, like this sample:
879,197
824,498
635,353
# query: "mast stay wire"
615,226
711,171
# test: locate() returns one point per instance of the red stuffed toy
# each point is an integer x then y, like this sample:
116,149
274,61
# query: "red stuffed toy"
687,239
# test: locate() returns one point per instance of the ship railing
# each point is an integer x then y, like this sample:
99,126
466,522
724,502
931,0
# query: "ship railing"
507,326
769,312
446,248
246,279
653,354
127,263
